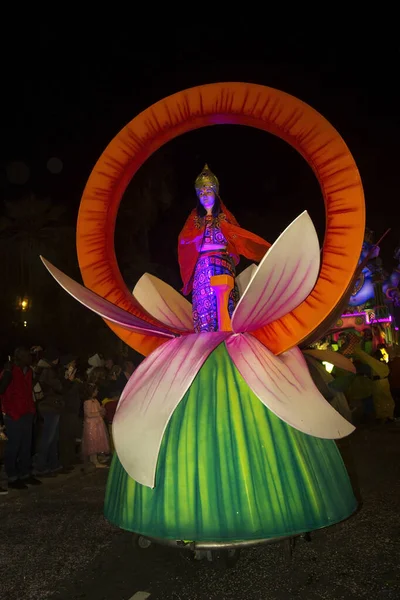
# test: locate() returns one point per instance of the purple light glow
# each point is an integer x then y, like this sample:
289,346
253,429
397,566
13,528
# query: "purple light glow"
388,320
366,315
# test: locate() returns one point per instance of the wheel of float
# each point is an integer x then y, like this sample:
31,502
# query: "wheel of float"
139,541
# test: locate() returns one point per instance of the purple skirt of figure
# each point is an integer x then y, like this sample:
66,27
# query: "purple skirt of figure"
204,300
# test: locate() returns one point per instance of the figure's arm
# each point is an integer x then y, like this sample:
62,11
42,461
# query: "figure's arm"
190,234
189,244
248,244
195,240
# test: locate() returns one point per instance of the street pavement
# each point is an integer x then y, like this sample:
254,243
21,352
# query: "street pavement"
55,543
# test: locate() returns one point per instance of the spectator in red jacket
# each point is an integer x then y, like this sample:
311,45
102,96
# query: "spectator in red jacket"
18,407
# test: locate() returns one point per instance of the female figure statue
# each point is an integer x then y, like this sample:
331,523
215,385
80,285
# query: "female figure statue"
209,244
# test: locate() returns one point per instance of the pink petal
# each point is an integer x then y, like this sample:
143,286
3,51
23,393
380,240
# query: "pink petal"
284,278
283,383
164,303
150,398
103,307
335,358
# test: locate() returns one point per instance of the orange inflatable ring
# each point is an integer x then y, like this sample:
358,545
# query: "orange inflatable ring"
235,103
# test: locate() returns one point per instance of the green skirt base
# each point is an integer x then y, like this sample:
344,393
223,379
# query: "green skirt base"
229,470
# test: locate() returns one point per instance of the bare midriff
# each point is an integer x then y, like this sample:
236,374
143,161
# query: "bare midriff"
210,247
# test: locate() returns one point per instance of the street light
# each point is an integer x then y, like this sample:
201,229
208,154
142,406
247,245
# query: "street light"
23,303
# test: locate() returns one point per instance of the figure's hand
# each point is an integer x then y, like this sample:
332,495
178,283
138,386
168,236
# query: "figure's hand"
196,240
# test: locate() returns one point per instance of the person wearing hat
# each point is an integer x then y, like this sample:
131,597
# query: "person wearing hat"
209,244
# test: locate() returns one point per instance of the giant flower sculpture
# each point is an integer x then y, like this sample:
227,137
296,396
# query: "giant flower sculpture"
284,278
223,436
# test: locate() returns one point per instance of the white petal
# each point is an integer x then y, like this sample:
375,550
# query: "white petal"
284,278
103,307
283,383
150,398
243,279
164,303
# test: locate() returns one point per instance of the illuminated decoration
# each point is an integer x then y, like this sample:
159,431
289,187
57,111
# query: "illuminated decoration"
382,328
223,436
385,355
278,284
373,285
328,366
369,317
240,377
386,320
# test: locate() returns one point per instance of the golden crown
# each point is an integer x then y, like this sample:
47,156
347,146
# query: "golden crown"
207,179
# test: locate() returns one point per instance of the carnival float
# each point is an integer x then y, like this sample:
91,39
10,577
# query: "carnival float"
222,438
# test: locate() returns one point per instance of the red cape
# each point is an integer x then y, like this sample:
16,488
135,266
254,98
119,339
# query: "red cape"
240,243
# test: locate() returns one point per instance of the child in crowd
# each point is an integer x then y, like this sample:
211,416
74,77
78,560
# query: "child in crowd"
95,437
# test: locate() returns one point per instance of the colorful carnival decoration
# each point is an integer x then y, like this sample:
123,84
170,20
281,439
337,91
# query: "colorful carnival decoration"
221,435
364,291
374,299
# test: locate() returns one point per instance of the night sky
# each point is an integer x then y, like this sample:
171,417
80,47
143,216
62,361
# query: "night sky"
68,94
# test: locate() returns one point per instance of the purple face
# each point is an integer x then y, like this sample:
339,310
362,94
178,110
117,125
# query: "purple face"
206,196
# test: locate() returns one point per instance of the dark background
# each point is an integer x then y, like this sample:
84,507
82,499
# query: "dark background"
69,90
